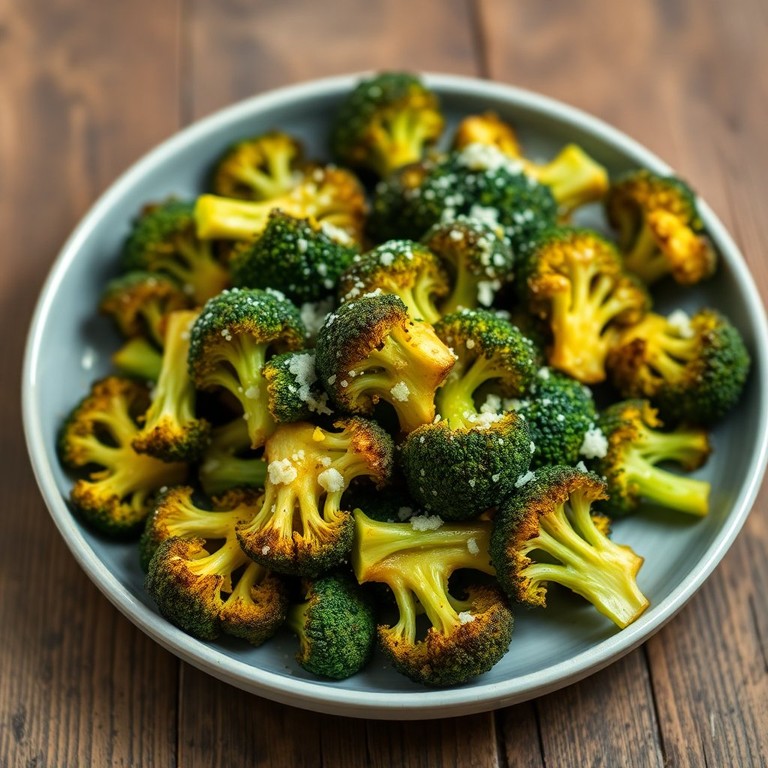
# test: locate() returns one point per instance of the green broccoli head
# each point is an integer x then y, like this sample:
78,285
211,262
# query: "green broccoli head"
386,122
370,350
478,259
301,527
550,519
660,231
294,392
402,267
467,635
336,627
163,240
574,279
332,197
115,495
693,369
230,342
393,215
259,168
635,446
294,256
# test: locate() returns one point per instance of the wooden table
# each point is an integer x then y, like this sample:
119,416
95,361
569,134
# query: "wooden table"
86,87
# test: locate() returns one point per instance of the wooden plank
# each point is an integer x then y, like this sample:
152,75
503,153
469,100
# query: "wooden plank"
79,685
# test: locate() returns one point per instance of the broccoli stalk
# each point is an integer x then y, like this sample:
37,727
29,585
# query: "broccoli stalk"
139,358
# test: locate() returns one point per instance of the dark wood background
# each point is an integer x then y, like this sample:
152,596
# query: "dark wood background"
86,87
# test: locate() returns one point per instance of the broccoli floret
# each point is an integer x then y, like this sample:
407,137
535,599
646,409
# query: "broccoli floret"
115,496
693,369
466,636
230,342
331,196
301,527
478,261
490,130
390,507
551,519
259,168
370,350
478,181
294,256
635,446
659,228
574,279
402,267
336,628
470,460
228,461
171,431
139,358
138,302
386,122
558,413
163,240
294,392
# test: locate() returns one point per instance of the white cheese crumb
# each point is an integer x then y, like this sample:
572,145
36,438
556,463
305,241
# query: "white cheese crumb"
543,373
595,444
472,546
265,549
681,322
524,479
582,467
486,157
404,513
386,258
533,447
465,617
492,404
281,471
470,344
486,291
426,522
400,392
332,480
252,393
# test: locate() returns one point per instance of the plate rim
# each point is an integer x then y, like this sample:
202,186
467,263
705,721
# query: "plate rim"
323,696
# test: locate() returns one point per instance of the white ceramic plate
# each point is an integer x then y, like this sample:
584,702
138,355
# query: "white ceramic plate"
69,346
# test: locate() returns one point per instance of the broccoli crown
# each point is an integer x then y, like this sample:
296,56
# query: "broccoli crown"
137,302
301,527
487,129
331,196
232,339
693,369
402,267
489,351
660,231
294,392
551,516
171,430
479,182
478,260
635,446
336,627
558,413
163,240
259,168
294,256
466,636
138,358
393,215
386,122
115,495
370,350
574,278
461,472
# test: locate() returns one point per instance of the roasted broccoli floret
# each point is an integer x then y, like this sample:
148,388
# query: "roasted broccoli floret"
558,412
294,256
336,627
490,130
204,592
574,279
659,228
478,181
477,259
163,240
139,358
116,494
171,430
331,196
228,461
550,519
466,637
259,168
403,267
230,342
693,369
301,527
635,446
370,350
294,391
386,122
138,302
470,460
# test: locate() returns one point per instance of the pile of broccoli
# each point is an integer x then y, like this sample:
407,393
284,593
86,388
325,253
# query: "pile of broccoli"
326,382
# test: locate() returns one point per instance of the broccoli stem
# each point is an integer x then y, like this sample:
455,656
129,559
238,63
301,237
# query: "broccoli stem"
138,358
684,494
296,620
226,559
644,258
688,447
455,399
222,218
430,585
464,294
